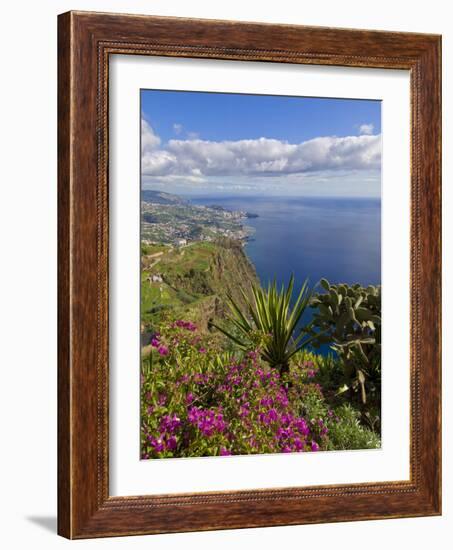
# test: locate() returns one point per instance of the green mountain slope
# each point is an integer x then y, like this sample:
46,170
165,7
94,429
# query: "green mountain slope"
191,282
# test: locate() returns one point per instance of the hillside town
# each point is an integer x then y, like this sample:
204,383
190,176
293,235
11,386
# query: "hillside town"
179,222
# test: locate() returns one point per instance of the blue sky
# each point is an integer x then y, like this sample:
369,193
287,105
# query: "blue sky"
199,143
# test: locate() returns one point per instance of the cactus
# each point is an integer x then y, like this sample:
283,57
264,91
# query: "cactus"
349,318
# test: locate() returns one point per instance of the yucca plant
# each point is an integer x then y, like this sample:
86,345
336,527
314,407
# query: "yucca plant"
269,313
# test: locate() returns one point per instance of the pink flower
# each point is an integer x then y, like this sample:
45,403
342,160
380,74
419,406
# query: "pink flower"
171,443
314,446
161,399
244,410
267,402
273,416
163,350
207,421
189,398
169,423
224,452
188,325
158,444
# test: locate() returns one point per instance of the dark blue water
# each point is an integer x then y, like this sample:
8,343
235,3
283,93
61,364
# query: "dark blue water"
335,238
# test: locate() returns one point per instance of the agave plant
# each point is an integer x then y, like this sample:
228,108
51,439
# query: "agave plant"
268,312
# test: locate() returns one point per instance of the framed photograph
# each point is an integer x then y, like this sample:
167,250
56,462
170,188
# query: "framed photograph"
249,275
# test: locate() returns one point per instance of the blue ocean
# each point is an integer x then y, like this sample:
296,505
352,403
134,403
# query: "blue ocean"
338,239
335,238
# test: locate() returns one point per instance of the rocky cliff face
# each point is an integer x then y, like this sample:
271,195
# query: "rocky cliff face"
230,270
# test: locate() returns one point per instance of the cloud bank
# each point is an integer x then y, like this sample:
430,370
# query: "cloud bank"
197,158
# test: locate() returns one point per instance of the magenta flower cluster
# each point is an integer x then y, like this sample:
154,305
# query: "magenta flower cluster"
166,440
196,404
188,325
208,421
162,349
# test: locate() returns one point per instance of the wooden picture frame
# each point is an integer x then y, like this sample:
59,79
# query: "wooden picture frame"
85,42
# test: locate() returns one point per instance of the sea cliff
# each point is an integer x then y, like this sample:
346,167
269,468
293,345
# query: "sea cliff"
192,281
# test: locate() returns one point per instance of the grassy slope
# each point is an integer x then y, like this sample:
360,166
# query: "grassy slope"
196,279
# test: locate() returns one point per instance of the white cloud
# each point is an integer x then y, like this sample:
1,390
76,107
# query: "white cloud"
258,157
177,128
150,181
150,141
366,129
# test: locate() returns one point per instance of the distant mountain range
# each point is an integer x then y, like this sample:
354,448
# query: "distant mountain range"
160,197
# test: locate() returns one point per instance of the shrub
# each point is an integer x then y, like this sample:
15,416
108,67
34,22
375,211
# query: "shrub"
197,401
327,372
346,432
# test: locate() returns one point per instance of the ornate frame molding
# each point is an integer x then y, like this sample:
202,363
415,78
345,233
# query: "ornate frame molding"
86,40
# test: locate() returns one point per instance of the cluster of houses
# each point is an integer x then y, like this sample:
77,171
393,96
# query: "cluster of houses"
156,279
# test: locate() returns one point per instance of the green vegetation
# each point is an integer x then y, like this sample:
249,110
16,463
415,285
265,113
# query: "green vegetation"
197,400
191,281
229,367
350,318
253,386
270,315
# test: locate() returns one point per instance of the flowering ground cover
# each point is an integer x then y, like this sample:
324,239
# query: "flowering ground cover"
198,400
